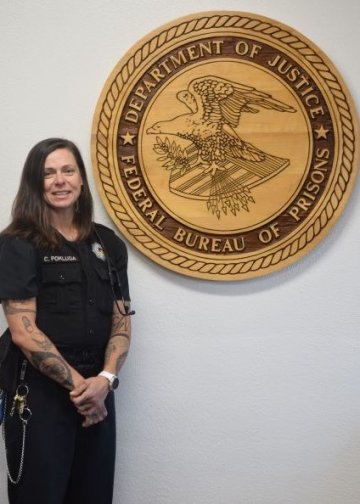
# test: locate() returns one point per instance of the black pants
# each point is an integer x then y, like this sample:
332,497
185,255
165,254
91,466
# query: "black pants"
64,462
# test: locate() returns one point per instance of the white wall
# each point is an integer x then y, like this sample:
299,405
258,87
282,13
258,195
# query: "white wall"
234,393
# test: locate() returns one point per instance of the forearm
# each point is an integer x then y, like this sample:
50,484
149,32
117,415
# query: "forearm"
89,397
45,357
36,346
119,342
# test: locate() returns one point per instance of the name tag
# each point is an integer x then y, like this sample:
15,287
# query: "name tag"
60,259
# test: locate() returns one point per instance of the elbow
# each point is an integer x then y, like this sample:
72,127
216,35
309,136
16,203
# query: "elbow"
19,338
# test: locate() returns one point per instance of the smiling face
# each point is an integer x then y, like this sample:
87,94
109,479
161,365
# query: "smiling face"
62,180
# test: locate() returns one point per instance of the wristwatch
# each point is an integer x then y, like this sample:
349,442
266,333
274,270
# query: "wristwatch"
112,379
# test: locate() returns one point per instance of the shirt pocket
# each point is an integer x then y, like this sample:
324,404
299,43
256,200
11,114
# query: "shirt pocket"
62,287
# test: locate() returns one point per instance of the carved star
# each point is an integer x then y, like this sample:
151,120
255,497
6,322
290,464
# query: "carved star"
321,132
128,138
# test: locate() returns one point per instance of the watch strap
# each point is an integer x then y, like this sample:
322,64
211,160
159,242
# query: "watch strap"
112,378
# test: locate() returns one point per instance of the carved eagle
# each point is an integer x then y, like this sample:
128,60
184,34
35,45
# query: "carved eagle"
216,106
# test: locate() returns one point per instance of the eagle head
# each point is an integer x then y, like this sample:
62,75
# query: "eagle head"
177,126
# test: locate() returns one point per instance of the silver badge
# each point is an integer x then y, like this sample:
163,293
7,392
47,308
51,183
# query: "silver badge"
98,251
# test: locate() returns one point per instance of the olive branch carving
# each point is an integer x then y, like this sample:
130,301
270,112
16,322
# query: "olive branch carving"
171,155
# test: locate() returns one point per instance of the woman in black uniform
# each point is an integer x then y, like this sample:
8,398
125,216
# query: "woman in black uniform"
64,291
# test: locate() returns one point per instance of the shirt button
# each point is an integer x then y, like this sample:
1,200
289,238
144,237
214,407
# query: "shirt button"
91,332
91,301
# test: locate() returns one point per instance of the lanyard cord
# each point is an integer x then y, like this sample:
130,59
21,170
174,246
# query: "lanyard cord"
112,271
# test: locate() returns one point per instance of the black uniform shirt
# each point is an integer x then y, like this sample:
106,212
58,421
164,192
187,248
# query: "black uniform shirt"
71,285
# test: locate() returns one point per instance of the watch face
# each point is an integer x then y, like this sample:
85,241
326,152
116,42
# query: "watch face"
114,383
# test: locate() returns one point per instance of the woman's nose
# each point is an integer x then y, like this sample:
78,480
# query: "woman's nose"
59,177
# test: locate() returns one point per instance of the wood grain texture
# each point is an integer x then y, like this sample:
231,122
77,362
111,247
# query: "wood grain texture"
225,145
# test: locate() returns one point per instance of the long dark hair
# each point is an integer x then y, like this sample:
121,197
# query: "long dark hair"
31,214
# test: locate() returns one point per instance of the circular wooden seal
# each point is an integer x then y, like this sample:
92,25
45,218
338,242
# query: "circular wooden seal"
225,145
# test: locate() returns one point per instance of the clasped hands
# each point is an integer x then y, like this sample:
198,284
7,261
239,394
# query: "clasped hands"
89,397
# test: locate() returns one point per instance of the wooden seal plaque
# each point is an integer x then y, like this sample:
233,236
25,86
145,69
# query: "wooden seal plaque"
224,145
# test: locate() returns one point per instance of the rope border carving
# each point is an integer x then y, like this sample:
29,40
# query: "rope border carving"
245,23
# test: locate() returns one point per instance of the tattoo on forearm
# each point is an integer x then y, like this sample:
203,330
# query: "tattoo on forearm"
52,365
118,322
27,324
10,309
44,343
121,361
110,349
121,334
120,327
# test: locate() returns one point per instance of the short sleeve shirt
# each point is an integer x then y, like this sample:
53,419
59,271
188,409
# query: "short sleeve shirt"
71,286
18,275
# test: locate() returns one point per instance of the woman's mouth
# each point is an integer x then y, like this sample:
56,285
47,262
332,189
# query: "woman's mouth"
61,193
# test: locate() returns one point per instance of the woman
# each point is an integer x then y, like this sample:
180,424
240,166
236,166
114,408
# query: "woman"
63,282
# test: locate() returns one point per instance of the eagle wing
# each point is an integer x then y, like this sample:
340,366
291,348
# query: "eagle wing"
220,99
